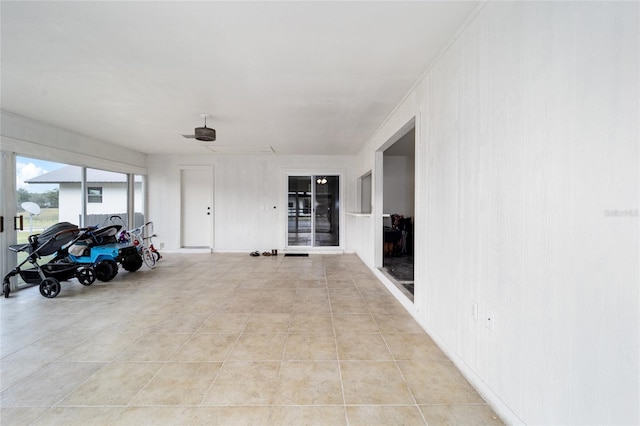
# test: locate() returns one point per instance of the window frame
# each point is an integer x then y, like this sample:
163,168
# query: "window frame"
90,195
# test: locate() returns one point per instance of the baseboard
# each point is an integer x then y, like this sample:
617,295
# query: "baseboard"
188,250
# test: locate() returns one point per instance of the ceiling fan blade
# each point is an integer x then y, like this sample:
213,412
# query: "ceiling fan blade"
189,136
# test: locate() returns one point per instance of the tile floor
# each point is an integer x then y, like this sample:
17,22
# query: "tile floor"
227,339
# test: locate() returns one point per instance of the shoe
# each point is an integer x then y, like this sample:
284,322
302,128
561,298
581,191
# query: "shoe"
266,253
254,253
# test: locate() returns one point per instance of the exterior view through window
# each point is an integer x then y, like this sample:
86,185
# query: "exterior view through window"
49,192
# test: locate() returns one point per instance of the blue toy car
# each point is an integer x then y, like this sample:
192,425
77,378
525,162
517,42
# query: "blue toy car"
100,250
104,259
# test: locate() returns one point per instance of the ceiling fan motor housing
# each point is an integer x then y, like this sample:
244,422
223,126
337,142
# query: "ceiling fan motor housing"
205,134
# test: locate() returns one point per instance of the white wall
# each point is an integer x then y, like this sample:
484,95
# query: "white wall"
246,189
527,192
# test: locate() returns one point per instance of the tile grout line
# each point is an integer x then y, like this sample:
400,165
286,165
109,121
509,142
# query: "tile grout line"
335,342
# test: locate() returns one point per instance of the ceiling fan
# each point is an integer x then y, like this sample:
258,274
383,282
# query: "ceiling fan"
203,133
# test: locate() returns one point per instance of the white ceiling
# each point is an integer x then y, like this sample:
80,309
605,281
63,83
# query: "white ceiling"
298,77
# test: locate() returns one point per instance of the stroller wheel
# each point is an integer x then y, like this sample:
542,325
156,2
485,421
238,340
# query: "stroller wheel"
6,290
50,287
86,275
106,270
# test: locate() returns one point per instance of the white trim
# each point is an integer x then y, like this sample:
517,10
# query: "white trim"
189,250
8,258
378,212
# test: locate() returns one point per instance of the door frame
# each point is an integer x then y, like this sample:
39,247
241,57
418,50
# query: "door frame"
7,198
378,193
210,249
284,190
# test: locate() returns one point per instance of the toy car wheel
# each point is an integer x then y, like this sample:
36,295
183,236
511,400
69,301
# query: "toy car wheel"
50,287
149,258
132,265
106,270
86,275
6,290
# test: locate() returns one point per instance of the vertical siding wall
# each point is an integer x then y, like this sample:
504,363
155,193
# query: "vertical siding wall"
527,192
246,188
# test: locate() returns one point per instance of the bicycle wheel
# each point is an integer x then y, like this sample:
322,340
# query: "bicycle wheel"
148,257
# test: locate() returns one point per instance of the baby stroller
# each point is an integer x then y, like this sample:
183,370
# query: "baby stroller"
49,275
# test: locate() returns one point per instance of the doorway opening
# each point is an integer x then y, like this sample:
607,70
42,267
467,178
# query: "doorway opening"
399,212
313,215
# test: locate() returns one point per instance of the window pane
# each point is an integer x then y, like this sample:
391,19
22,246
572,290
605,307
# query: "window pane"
327,211
299,217
38,183
365,193
138,200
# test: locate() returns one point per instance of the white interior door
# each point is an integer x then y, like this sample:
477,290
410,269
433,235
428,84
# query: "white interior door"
196,185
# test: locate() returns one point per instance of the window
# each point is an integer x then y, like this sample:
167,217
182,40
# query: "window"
94,194
365,193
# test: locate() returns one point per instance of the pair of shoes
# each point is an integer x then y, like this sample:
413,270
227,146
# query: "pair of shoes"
254,253
266,253
274,252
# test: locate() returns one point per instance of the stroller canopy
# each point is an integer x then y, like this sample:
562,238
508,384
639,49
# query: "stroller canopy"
53,238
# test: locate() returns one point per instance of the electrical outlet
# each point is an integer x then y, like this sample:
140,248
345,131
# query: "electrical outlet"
474,310
491,320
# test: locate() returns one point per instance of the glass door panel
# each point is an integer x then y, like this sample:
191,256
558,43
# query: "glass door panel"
41,189
299,211
327,209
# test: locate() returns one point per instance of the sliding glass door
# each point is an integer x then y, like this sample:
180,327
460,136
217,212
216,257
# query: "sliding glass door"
313,211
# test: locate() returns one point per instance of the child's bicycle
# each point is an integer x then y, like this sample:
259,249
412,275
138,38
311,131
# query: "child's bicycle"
141,237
